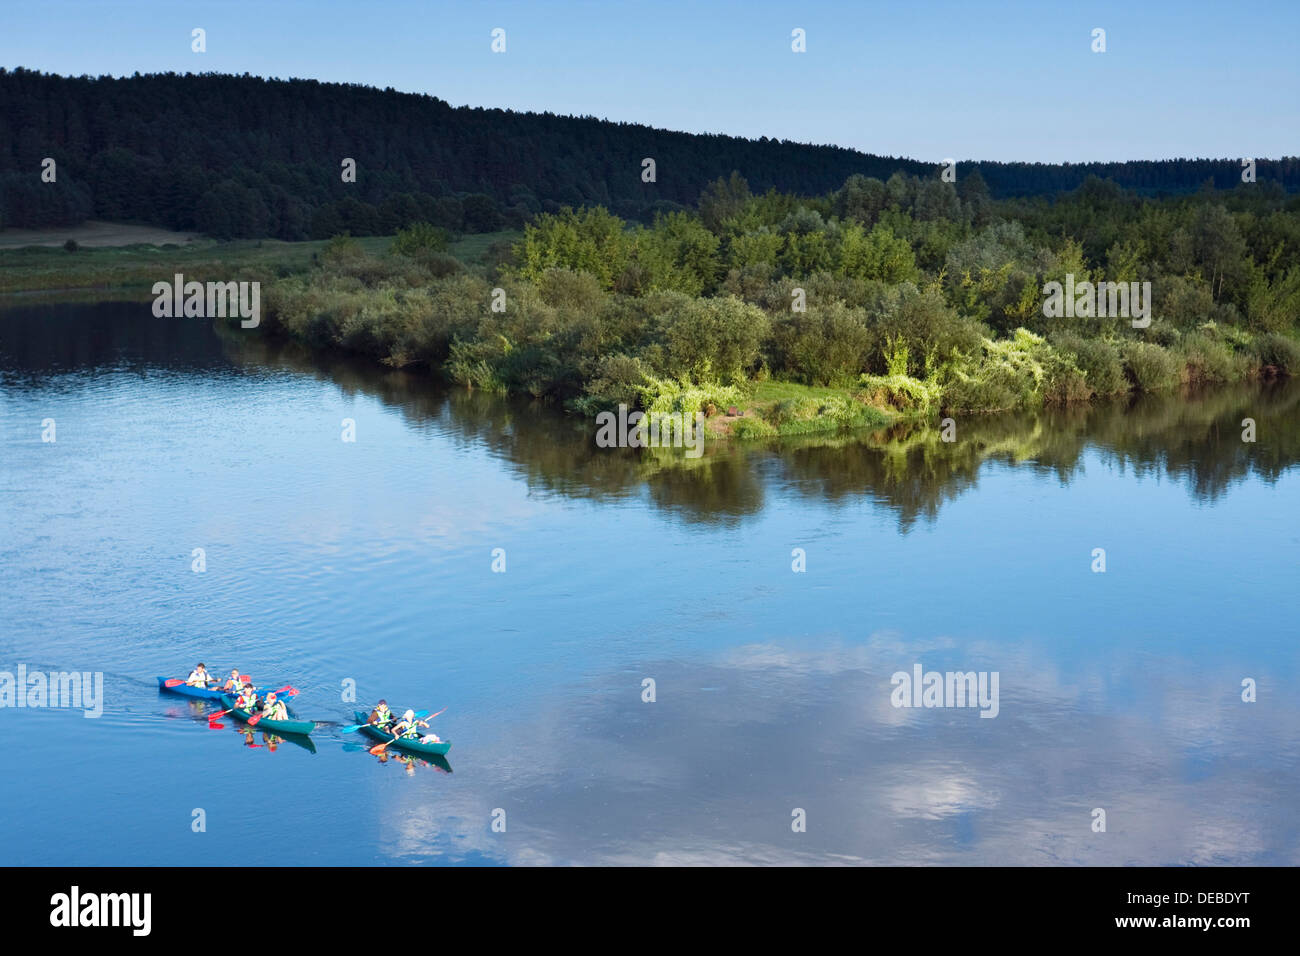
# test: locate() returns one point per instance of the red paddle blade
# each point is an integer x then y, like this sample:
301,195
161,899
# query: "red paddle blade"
245,679
378,748
252,721
173,682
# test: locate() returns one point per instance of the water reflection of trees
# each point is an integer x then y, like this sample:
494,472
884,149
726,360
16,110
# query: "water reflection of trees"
1193,439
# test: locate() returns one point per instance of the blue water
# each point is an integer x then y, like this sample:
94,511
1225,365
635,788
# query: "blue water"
330,562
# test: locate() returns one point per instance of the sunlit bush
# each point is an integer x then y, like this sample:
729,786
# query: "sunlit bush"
1149,367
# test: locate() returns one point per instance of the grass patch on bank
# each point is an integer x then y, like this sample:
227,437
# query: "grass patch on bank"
781,409
138,267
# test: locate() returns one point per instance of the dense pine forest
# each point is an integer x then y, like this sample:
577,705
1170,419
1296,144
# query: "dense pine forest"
242,156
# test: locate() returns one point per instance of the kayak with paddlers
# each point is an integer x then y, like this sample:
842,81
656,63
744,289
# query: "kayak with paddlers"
202,685
255,716
400,733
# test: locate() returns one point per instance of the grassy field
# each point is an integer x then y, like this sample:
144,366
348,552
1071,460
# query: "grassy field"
112,271
93,233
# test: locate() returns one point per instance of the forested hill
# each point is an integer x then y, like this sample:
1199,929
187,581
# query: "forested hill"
245,156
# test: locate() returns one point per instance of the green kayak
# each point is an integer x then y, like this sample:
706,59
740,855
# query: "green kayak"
410,745
276,726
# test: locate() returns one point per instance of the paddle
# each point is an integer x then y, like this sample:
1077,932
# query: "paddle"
419,715
379,748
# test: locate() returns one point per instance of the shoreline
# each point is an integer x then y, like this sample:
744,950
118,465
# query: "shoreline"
305,304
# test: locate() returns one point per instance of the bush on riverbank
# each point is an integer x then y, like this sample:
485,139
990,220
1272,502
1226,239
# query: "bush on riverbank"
898,298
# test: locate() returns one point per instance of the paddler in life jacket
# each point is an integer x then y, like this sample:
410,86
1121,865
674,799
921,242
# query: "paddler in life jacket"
381,716
199,677
274,709
233,683
408,726
247,699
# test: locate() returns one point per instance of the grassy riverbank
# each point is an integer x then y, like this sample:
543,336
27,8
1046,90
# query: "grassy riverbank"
35,261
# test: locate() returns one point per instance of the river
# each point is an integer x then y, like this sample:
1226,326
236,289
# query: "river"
485,556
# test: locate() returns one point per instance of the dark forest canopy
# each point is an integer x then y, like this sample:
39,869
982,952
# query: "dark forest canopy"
242,156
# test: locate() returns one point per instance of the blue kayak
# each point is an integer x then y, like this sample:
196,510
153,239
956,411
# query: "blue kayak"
202,693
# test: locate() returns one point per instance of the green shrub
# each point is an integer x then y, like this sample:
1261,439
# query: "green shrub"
1182,302
877,254
1099,361
339,249
1277,354
671,395
1009,373
810,414
793,410
466,366
994,389
752,427
619,380
1063,381
569,289
428,320
587,240
1149,367
420,238
925,322
439,265
707,340
1274,306
343,256
826,345
754,250
1206,358
678,253
901,392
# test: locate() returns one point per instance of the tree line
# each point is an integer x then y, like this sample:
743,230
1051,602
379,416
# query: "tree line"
243,156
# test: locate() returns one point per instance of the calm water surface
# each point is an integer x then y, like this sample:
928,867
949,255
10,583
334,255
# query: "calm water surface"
371,561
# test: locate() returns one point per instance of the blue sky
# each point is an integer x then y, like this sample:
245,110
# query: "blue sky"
972,80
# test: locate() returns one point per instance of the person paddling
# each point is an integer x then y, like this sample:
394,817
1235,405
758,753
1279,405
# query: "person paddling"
408,726
199,677
274,709
233,683
247,699
381,716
